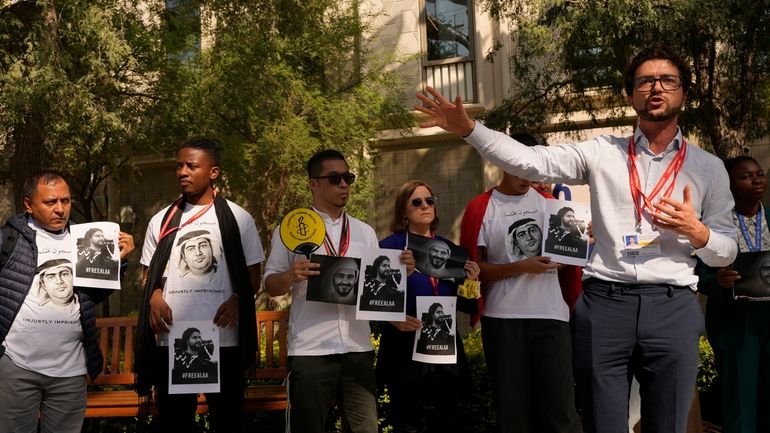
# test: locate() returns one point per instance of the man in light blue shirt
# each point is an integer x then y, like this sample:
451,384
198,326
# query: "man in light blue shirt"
638,314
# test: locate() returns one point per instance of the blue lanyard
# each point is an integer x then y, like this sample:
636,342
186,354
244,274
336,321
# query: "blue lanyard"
757,246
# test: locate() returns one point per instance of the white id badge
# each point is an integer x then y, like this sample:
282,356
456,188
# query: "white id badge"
637,245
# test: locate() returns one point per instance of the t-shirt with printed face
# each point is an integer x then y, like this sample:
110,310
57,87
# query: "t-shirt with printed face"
46,335
512,231
197,278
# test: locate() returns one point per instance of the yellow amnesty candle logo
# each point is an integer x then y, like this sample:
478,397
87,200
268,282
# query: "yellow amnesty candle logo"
470,289
302,231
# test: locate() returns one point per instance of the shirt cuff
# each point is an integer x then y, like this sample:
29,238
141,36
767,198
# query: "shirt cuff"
719,251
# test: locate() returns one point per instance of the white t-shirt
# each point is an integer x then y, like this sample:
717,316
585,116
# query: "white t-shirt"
46,336
318,328
524,296
197,278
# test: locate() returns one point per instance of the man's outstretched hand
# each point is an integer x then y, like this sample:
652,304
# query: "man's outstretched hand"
445,114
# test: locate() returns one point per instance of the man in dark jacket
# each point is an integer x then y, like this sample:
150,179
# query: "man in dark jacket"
46,348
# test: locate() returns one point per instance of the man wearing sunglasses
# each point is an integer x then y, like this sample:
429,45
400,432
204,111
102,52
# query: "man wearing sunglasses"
330,353
638,313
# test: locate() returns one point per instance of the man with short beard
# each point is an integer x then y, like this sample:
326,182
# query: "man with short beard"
94,258
437,258
381,289
344,280
565,236
638,313
436,336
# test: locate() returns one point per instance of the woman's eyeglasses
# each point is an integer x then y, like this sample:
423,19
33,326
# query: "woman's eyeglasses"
336,178
417,202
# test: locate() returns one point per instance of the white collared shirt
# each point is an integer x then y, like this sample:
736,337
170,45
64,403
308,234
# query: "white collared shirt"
318,328
602,163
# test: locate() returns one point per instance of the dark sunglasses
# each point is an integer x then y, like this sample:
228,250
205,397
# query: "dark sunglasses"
430,201
336,178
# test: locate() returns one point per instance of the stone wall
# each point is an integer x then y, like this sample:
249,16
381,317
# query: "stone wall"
453,169
154,187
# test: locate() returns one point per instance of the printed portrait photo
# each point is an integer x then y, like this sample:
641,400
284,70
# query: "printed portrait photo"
337,282
524,238
437,258
199,258
632,241
567,236
754,268
55,283
435,341
97,261
195,357
382,291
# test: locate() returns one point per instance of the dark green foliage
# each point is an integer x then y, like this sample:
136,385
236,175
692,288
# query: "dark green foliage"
76,92
569,57
477,414
279,81
480,408
707,372
87,85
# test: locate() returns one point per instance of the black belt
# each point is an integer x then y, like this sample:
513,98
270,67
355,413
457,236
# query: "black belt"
634,288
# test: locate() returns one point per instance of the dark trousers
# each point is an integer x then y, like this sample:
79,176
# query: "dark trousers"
647,331
744,371
176,412
314,383
530,369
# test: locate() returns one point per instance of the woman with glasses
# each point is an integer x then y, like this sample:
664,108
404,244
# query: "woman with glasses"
423,397
739,330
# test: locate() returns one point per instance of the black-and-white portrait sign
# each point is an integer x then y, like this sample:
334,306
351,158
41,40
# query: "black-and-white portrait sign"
382,290
199,257
524,238
754,268
97,261
438,258
435,342
193,357
337,282
566,240
55,282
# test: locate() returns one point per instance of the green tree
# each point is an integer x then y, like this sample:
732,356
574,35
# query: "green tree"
87,85
77,83
569,56
276,81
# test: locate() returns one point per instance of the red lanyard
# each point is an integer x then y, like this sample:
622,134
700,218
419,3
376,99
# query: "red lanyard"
434,280
642,201
165,230
434,283
344,239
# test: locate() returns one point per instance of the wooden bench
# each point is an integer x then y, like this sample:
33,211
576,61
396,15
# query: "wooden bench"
112,393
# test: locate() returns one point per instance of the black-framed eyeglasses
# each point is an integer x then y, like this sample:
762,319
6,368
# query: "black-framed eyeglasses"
336,178
430,201
667,82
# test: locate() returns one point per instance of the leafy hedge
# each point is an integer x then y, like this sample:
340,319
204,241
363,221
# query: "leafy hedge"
707,372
